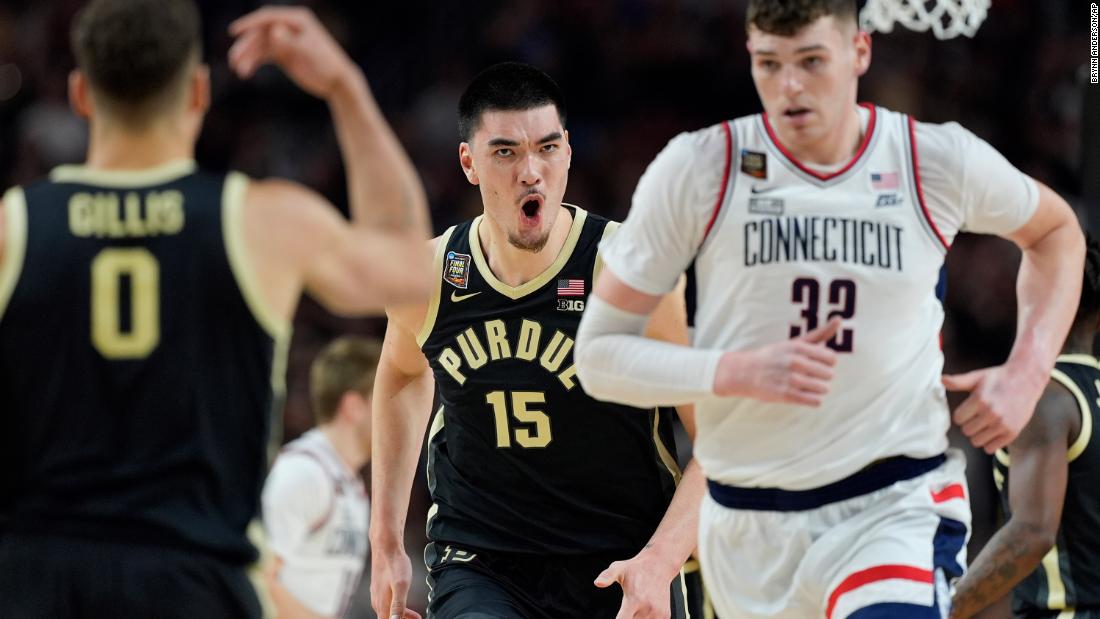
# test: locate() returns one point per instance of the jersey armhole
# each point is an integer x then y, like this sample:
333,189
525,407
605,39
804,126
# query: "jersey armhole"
914,165
15,244
722,191
433,304
597,265
1079,445
233,196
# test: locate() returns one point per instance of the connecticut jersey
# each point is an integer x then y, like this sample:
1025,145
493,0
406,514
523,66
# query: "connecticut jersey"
136,362
780,247
521,459
317,515
1069,576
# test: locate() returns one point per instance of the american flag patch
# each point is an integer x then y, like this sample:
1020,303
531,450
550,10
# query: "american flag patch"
881,181
570,287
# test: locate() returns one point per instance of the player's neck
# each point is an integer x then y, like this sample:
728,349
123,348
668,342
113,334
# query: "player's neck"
111,147
347,445
836,147
514,266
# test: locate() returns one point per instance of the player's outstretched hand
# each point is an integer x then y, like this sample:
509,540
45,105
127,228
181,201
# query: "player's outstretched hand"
796,371
390,575
645,587
294,39
998,407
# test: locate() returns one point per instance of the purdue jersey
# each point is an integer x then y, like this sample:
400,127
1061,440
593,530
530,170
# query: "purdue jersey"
136,361
1069,575
521,459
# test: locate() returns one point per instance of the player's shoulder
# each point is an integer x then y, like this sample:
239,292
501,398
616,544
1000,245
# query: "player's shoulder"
703,143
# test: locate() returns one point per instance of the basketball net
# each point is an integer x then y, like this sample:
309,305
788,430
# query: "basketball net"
946,18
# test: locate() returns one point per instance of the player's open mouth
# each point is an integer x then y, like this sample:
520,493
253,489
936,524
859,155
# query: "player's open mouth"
796,113
530,208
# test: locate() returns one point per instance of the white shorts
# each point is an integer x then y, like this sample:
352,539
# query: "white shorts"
888,553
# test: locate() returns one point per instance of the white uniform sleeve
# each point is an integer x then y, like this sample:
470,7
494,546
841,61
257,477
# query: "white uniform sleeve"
672,205
968,185
296,496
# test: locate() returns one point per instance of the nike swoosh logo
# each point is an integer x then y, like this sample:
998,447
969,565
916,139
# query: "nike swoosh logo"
458,299
756,189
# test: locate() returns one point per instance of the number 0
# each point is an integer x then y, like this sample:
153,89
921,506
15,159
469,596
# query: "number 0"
108,268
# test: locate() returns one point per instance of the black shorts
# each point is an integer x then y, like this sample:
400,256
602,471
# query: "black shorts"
52,577
474,584
698,602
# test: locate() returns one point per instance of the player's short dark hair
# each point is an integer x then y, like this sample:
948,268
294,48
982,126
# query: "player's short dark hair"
134,52
508,86
347,364
1089,308
787,17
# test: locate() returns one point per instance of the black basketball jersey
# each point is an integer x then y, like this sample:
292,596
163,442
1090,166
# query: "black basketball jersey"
521,459
1069,575
136,361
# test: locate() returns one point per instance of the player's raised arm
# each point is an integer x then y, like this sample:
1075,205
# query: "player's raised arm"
350,271
402,404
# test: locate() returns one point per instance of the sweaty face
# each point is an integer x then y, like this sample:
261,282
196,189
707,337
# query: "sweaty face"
807,81
520,162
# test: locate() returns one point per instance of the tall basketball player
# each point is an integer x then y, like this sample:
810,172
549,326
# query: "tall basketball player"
1048,553
547,502
816,231
144,316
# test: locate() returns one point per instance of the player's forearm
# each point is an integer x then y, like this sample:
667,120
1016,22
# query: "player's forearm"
675,537
615,362
401,411
1013,553
1048,289
384,190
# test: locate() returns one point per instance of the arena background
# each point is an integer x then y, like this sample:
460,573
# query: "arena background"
634,73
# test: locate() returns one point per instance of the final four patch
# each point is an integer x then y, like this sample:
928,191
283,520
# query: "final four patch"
754,164
456,271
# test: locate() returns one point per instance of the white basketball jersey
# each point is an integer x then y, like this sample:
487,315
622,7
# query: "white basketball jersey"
317,514
788,249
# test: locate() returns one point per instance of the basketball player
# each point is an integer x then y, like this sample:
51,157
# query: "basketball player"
315,505
145,309
544,498
816,231
1049,549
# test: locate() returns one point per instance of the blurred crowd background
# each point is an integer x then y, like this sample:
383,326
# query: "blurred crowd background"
634,74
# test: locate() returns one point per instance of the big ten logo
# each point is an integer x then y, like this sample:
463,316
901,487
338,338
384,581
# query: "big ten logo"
570,305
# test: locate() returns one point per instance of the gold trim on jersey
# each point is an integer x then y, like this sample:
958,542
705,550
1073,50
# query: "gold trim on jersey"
433,305
684,595
540,280
1079,445
608,230
156,175
1002,456
233,231
1080,359
1056,588
15,244
437,427
662,451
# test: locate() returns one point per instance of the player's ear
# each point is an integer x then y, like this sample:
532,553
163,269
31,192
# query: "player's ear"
568,149
198,89
80,100
863,51
466,160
